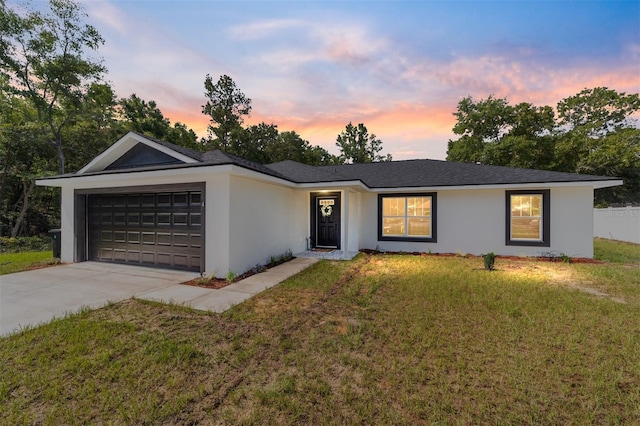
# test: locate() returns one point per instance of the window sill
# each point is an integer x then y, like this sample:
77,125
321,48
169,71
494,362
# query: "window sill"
524,243
409,239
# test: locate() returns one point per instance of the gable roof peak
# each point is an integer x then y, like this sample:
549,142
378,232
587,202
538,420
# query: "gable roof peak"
128,142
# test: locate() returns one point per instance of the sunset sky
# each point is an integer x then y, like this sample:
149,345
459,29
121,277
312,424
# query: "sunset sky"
399,67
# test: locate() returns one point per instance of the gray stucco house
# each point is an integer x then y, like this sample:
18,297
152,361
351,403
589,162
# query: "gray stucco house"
147,202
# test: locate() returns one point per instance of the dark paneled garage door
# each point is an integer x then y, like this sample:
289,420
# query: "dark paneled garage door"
151,229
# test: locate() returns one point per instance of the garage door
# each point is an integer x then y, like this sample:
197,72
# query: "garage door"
152,229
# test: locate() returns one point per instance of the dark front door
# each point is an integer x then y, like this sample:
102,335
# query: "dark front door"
328,222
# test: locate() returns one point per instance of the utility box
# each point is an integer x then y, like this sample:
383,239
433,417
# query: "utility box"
55,240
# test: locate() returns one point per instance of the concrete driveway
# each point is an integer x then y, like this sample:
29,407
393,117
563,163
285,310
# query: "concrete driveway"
33,297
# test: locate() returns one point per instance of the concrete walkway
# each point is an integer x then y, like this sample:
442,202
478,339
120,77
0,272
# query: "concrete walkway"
222,299
31,298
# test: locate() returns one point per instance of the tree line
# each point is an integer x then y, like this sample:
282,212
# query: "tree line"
592,132
227,107
57,112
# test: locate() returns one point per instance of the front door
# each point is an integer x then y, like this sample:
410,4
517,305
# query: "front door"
327,212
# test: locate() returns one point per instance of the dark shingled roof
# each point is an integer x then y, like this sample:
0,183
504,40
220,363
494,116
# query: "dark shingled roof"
392,174
218,157
424,173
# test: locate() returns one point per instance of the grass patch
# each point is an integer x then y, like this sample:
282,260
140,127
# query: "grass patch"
379,339
23,261
616,251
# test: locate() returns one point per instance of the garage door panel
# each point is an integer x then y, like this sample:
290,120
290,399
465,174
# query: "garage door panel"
119,255
164,238
148,238
164,259
181,260
133,200
106,254
133,219
149,257
162,229
195,240
133,237
133,256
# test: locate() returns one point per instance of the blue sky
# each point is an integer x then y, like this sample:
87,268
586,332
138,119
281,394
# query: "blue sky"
399,67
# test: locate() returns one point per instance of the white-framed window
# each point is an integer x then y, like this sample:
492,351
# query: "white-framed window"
528,218
407,217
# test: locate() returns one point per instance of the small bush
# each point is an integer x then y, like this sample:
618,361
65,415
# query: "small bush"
258,268
22,244
489,261
277,260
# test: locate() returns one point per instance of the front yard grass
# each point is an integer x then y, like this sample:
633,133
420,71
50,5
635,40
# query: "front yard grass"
16,262
616,251
382,339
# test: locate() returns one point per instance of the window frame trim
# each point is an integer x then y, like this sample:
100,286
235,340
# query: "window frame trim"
434,217
546,218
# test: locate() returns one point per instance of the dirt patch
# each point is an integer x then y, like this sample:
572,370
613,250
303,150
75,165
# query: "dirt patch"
598,293
212,283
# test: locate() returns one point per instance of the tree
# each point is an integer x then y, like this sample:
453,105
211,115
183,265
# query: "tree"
24,156
357,146
599,111
226,105
491,129
255,142
291,146
486,120
44,56
592,134
616,154
264,144
145,117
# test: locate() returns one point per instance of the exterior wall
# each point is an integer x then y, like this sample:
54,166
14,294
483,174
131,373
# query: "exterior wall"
572,221
473,222
622,224
67,226
351,222
264,220
216,229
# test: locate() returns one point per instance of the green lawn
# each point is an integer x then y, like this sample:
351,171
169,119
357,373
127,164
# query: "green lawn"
616,251
16,262
377,340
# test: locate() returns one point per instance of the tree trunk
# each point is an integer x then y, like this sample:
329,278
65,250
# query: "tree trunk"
26,193
60,157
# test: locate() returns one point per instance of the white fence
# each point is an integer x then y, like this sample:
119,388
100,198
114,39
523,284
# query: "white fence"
619,223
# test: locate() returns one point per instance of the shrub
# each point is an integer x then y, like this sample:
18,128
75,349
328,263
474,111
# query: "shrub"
21,244
489,261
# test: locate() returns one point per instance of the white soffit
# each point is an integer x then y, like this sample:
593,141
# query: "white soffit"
122,146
